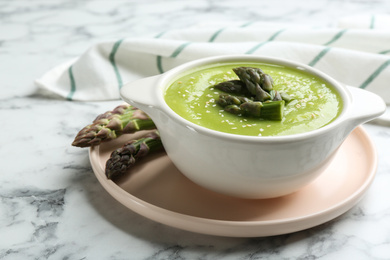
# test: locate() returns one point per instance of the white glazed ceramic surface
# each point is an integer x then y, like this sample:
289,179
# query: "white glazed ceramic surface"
249,166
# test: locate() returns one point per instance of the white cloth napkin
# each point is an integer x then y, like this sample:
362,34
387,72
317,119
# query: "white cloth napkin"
355,53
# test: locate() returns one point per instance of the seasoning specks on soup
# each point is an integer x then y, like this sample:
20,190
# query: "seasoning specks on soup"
314,105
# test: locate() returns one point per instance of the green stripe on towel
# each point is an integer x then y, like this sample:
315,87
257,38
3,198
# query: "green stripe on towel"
372,22
384,52
247,24
215,35
113,63
375,74
72,84
159,65
179,49
174,54
160,34
327,49
319,56
262,43
336,37
251,51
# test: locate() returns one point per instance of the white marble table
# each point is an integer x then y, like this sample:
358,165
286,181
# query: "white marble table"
52,206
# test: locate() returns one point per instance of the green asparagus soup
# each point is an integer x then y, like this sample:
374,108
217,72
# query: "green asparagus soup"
314,103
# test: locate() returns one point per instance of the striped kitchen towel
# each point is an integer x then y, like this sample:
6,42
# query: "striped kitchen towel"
356,54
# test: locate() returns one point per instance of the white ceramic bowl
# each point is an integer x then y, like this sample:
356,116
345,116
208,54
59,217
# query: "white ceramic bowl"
249,166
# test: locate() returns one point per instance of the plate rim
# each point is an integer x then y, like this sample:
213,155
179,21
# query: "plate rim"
231,227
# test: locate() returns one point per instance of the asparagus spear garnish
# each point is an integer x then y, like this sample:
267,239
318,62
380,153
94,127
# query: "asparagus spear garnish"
233,109
252,108
227,99
275,95
250,76
262,95
267,83
260,98
273,110
256,81
232,86
124,119
286,97
122,159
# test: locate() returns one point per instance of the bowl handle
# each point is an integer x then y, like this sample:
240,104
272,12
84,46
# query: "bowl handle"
365,105
142,93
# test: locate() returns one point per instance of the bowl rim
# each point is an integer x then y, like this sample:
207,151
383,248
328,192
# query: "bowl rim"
166,78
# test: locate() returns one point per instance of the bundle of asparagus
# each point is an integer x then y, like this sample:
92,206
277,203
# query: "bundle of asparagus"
258,97
124,119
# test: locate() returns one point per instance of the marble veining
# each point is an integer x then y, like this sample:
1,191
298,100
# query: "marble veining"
52,206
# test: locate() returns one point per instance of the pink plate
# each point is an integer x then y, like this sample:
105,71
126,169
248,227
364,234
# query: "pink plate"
155,189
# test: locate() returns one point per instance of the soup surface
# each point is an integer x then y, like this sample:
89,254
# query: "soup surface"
314,105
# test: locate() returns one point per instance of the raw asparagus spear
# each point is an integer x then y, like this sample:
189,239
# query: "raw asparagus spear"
123,119
122,159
